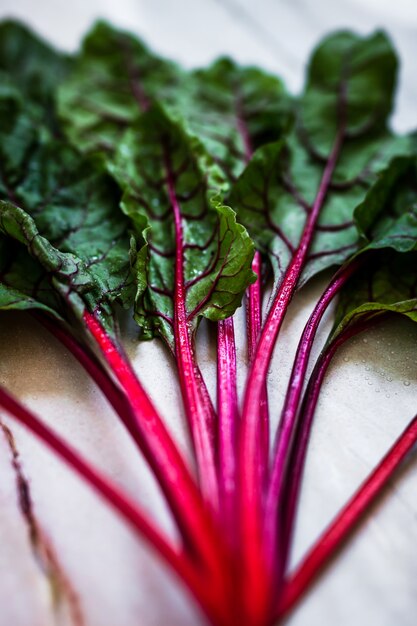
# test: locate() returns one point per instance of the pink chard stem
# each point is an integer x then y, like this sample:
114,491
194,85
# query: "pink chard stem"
303,431
259,538
102,485
228,416
254,308
228,422
254,297
123,408
130,511
198,406
164,454
345,522
254,323
288,420
302,437
97,372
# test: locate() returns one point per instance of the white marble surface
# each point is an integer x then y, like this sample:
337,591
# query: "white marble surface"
364,404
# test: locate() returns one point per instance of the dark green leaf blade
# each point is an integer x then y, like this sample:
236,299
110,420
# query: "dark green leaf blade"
386,278
387,218
65,209
275,194
33,67
18,137
12,299
171,184
387,283
69,275
23,281
352,77
233,110
114,79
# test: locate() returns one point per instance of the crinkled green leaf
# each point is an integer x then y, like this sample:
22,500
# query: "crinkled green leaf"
113,81
232,110
387,283
216,252
33,67
23,282
18,137
68,275
13,299
387,279
276,192
348,76
387,218
65,211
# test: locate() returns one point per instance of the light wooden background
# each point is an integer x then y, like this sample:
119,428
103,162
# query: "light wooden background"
366,402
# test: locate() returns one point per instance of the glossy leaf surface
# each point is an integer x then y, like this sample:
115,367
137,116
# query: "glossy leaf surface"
172,185
34,68
277,191
114,80
64,209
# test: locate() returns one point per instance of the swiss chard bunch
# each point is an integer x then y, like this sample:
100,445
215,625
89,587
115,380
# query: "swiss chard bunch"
126,181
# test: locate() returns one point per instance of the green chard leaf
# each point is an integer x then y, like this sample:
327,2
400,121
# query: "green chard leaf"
387,283
62,229
232,110
33,67
196,251
342,121
114,80
23,281
18,137
387,218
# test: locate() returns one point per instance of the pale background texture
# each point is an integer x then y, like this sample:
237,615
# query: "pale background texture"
368,397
